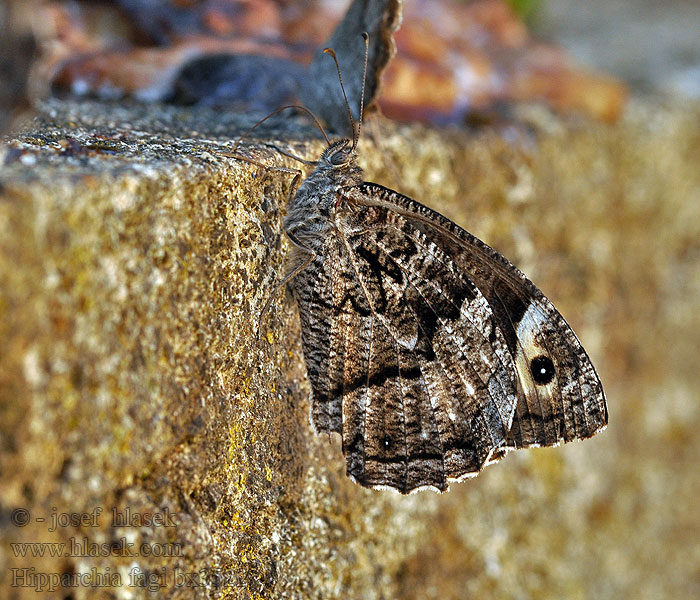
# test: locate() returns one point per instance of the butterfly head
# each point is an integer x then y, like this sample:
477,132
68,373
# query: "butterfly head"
338,162
339,154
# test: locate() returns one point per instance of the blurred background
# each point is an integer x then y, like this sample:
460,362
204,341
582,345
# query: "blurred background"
455,60
653,46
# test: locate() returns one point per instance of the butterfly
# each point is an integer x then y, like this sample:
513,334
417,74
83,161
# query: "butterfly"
426,350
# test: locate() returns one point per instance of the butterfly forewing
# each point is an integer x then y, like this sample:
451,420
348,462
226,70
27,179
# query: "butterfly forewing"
560,397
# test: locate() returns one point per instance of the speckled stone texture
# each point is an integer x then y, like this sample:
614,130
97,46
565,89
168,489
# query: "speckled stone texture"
134,262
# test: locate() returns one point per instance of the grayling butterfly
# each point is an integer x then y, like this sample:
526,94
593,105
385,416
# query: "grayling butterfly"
427,351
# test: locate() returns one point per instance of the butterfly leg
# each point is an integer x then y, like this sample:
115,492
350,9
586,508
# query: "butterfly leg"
257,163
294,186
292,156
309,256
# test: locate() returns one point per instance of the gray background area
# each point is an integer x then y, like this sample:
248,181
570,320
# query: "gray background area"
653,45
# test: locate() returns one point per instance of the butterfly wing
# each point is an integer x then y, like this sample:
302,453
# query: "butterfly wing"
560,397
426,349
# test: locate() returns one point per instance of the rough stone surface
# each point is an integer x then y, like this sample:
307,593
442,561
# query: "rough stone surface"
134,262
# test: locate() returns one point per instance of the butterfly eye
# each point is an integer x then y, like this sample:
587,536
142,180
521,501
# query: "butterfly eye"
542,369
341,157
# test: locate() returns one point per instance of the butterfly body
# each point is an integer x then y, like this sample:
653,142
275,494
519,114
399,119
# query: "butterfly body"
312,211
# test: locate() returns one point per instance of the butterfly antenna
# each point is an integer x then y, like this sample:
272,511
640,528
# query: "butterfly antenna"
365,36
280,109
342,87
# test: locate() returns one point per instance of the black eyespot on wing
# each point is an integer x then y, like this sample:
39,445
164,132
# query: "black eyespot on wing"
542,369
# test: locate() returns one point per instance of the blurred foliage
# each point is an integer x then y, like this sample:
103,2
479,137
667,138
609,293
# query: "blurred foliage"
525,8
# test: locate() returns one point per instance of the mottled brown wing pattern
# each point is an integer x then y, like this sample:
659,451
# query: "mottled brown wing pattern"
404,354
571,405
427,351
